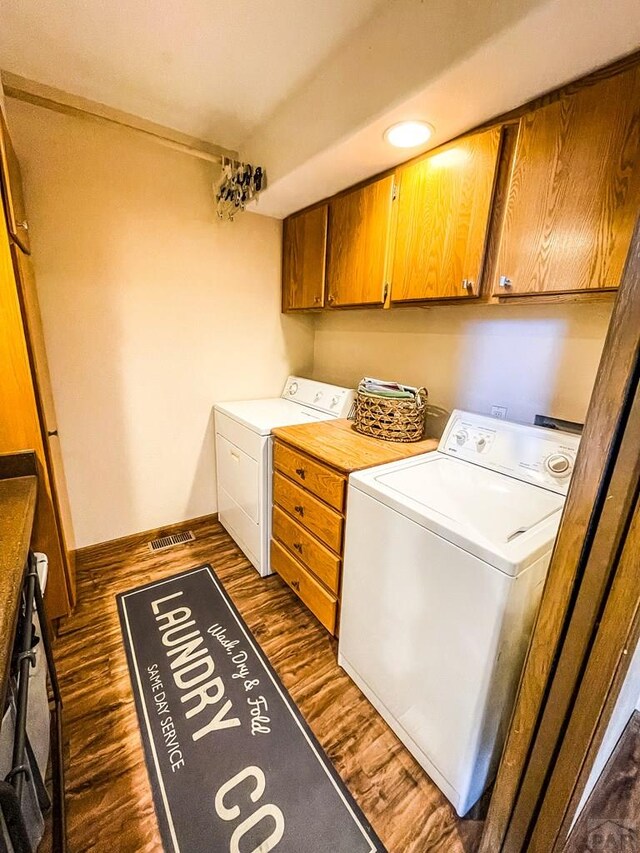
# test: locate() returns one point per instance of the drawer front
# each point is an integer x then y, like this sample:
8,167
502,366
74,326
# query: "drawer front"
310,474
309,511
321,603
324,564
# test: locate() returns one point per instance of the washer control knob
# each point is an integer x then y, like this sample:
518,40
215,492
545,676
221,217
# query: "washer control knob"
461,436
334,401
481,442
558,464
292,389
317,397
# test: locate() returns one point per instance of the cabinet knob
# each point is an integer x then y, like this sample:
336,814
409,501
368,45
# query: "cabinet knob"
24,225
299,510
296,585
467,284
317,299
298,547
331,299
505,281
301,473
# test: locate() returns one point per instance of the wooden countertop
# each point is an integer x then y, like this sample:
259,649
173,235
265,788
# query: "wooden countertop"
337,444
17,509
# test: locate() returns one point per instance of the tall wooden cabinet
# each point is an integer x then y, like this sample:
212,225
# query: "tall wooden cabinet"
574,193
27,412
444,204
359,232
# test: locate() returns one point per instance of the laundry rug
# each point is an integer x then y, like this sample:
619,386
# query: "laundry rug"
233,765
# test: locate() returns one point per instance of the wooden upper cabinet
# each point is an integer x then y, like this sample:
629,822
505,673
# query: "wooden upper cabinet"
359,225
574,193
444,206
12,190
303,259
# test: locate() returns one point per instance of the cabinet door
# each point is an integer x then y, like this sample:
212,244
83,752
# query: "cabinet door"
358,245
574,192
20,428
12,190
34,336
28,294
444,205
303,259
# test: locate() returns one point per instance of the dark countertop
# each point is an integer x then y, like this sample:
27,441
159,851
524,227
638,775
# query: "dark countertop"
17,509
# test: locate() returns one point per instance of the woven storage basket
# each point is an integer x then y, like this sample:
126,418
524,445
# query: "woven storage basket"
389,419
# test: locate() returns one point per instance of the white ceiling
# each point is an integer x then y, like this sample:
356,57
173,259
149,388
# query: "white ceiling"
212,68
455,63
306,88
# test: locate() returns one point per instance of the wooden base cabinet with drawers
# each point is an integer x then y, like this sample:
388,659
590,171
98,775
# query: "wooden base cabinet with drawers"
311,466
308,522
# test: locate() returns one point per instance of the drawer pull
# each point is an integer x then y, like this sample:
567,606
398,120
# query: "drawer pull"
301,473
299,510
234,456
296,585
298,547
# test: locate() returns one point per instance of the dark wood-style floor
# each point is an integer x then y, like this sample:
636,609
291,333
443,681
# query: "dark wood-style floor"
109,800
610,820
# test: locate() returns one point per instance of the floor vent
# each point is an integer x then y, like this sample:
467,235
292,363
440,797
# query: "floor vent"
169,541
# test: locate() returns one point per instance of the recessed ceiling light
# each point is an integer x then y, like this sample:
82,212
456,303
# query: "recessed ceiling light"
408,134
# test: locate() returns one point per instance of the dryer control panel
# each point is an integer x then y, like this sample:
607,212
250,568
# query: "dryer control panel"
332,399
544,457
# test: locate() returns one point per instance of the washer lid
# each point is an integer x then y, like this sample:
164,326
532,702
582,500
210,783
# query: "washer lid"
502,520
262,416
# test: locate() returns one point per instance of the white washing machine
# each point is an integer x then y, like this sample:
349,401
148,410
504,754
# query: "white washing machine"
445,559
244,456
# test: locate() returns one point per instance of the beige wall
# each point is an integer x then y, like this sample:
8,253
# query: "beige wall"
532,359
152,310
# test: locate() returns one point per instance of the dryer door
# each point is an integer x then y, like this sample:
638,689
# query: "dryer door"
238,475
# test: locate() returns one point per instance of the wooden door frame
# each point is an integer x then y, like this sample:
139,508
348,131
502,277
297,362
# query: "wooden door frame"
554,699
608,663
